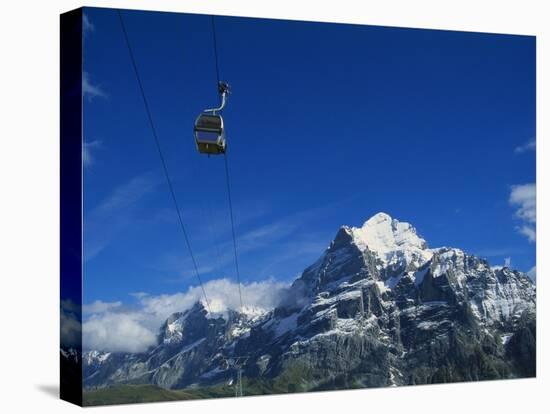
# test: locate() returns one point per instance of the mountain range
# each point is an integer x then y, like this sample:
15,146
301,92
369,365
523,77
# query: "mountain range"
378,308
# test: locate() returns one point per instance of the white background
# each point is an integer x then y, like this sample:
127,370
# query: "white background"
29,193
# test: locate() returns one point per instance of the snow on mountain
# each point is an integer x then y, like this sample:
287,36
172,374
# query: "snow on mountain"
70,354
172,331
96,357
377,308
391,240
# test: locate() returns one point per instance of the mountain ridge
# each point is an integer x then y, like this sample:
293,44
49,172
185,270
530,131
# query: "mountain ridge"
378,308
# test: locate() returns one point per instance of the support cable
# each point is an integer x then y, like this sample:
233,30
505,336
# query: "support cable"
233,228
215,45
163,162
215,42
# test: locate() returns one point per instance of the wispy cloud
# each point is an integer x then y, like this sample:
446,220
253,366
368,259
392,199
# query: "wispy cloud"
112,327
128,193
306,246
88,149
286,238
532,273
523,198
115,213
87,25
528,146
89,90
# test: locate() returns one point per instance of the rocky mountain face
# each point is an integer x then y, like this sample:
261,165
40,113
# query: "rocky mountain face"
378,308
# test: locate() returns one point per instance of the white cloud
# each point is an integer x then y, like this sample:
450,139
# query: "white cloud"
222,295
529,232
117,332
100,307
111,327
70,330
528,146
71,327
87,152
523,197
89,90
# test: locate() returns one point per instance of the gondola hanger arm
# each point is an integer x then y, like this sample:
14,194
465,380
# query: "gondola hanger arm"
224,90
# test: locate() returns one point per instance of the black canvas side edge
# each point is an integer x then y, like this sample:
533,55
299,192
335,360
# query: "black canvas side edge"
71,206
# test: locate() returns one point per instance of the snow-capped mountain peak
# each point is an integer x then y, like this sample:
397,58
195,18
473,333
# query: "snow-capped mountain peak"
96,357
390,240
378,304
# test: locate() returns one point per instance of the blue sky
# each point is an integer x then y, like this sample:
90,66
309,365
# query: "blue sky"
327,125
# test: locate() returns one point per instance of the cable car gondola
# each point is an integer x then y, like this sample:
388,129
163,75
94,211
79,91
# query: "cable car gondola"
209,128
